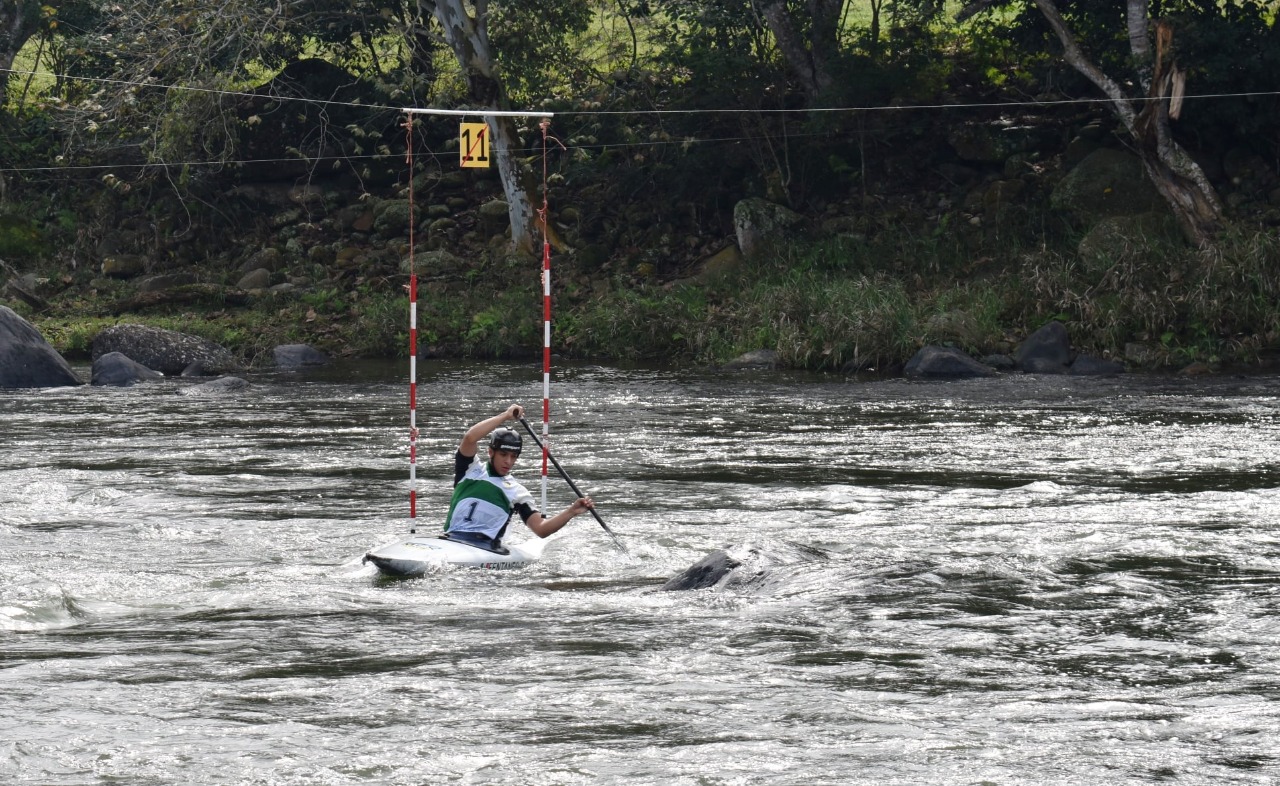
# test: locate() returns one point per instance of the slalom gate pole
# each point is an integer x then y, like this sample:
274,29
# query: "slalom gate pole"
546,319
413,340
410,112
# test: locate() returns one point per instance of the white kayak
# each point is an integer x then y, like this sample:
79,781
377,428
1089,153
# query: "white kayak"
413,555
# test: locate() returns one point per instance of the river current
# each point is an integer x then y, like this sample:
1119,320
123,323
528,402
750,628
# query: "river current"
1021,580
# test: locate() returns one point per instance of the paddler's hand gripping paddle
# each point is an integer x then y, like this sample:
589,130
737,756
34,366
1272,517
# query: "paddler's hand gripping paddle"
568,480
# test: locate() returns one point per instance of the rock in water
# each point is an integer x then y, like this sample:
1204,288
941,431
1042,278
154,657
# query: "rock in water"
217,387
115,370
1046,351
166,351
706,572
747,566
26,359
298,356
945,363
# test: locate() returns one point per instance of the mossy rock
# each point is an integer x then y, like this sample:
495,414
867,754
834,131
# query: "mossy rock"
392,217
123,266
1114,237
1107,183
434,262
20,237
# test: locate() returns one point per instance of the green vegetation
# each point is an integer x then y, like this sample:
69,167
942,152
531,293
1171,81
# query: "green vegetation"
184,137
1222,312
820,311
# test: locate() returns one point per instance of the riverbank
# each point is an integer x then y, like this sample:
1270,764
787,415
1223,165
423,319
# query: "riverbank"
824,311
939,243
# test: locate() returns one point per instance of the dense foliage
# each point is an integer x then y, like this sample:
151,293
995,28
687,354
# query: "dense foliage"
669,111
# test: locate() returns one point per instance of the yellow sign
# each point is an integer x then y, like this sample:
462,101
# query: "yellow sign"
473,145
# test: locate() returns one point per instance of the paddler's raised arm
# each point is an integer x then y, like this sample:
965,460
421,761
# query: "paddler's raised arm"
546,527
471,440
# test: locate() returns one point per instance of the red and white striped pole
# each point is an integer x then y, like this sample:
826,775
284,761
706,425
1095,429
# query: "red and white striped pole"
546,362
413,298
546,317
413,342
413,394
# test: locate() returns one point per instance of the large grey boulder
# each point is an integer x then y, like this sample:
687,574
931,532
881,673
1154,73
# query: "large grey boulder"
1046,351
166,351
945,363
1107,183
118,371
26,359
298,355
761,225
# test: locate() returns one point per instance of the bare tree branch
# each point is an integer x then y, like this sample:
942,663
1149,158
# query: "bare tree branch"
1177,177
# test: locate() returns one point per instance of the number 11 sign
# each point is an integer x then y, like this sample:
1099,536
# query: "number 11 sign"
473,144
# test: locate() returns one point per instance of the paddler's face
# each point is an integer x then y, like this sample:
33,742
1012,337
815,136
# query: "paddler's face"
503,460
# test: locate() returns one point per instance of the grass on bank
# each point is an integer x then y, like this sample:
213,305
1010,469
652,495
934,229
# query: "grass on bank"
818,309
1179,304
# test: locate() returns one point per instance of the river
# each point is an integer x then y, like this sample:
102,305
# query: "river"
1021,580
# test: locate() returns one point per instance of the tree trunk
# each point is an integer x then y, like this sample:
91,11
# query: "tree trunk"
808,60
1176,176
468,37
422,45
18,22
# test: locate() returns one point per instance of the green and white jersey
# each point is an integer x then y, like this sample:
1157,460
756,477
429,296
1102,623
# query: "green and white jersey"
483,501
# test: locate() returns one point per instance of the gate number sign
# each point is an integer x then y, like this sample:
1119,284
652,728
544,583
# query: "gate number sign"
473,145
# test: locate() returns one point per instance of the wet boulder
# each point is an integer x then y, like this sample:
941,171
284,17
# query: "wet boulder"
26,359
999,361
1093,366
945,363
218,387
116,370
706,572
749,566
1046,351
166,351
298,356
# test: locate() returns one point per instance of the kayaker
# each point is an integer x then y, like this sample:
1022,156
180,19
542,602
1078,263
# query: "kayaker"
485,494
